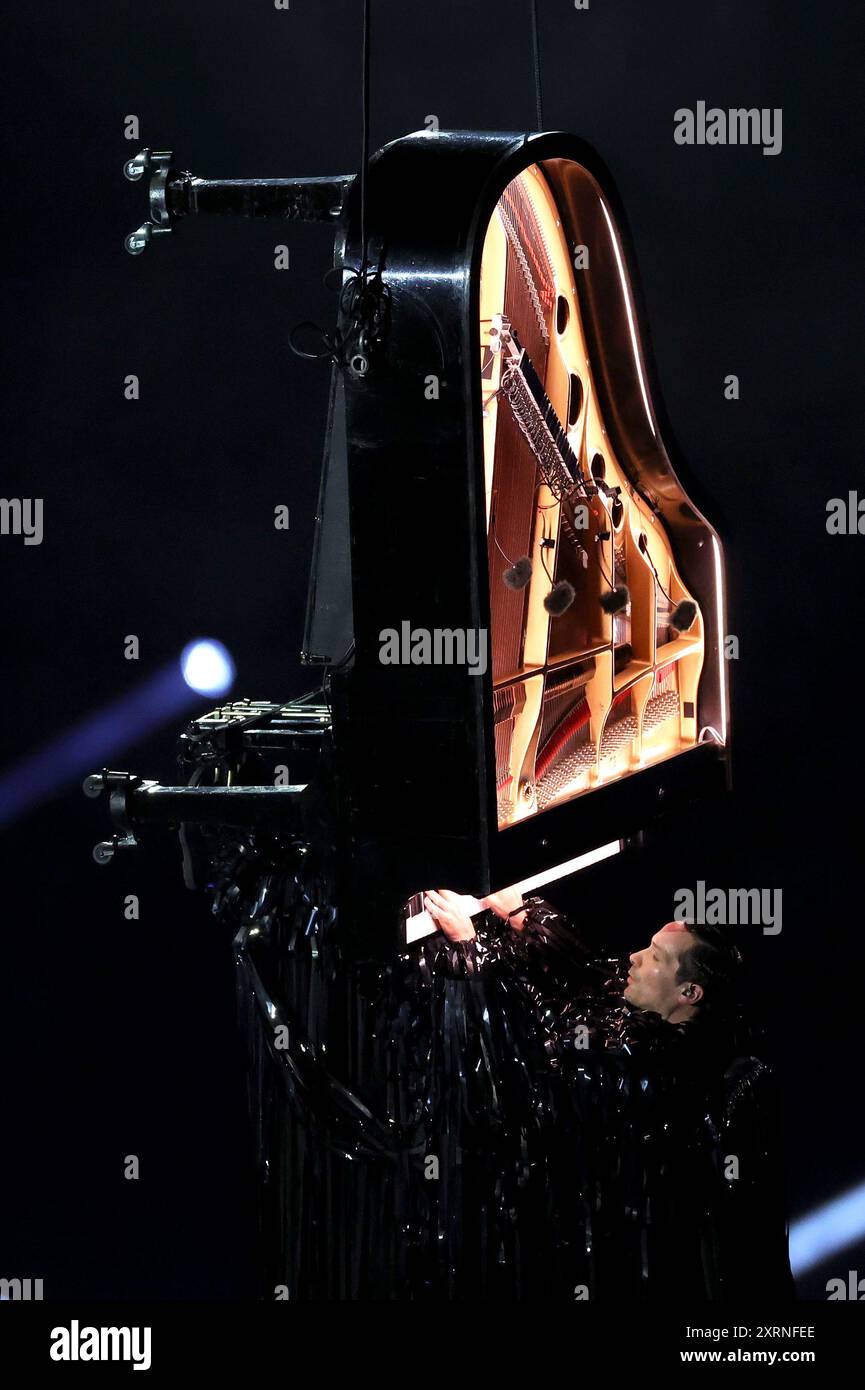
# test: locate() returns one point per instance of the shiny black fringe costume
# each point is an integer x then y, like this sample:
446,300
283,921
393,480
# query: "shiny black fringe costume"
491,1119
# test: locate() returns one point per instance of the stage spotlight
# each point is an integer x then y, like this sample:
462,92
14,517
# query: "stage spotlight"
207,667
828,1230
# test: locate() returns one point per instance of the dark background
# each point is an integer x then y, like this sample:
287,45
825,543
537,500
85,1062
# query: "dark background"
118,1036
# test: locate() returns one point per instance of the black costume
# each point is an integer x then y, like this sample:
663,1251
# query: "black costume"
462,1143
603,1133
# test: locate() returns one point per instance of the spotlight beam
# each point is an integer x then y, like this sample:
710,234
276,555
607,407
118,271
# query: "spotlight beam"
97,739
827,1230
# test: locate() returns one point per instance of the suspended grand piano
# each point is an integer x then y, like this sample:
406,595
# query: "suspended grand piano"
495,482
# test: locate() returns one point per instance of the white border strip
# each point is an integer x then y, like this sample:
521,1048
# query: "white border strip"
422,925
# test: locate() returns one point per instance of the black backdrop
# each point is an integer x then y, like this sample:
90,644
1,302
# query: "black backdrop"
158,521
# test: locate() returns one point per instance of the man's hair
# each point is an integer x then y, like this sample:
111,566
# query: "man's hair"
713,961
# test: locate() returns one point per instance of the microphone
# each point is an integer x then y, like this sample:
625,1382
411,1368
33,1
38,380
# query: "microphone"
560,598
519,574
616,600
685,611
683,615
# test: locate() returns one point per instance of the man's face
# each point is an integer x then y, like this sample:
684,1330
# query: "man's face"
652,979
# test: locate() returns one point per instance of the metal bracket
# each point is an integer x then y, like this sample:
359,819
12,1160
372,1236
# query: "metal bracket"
155,164
118,785
105,851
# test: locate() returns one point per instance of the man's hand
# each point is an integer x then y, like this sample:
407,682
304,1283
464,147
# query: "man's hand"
449,912
503,903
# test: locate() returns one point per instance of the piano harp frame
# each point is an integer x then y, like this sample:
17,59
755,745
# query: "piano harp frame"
568,376
416,744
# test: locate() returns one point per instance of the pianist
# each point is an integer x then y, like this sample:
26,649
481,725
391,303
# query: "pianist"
660,1158
685,973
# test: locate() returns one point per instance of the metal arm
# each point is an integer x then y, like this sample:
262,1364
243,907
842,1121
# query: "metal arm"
175,193
134,802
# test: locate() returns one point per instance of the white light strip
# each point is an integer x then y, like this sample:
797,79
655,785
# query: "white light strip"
571,866
827,1230
422,924
630,312
722,668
